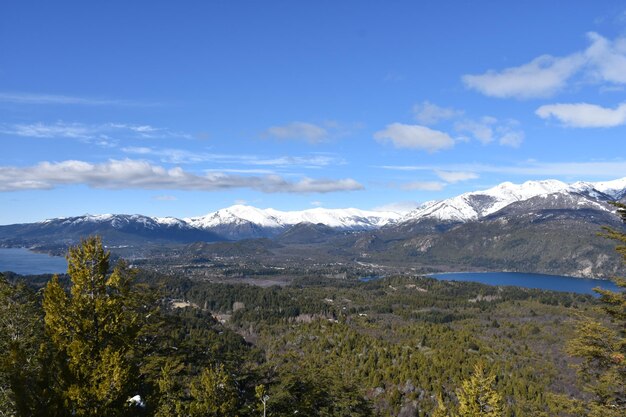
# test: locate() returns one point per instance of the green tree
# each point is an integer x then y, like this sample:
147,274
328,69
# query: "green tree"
302,390
94,328
477,397
170,403
20,362
602,345
213,394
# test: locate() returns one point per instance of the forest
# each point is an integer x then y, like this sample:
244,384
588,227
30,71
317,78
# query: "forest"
108,339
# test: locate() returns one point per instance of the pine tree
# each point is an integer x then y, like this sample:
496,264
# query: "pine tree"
21,364
94,329
213,394
602,346
170,403
477,397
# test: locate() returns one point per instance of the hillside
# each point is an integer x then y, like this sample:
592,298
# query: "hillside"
538,226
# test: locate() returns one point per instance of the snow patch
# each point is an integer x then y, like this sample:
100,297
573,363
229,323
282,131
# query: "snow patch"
350,218
477,204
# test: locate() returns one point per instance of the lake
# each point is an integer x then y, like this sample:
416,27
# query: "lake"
539,281
25,262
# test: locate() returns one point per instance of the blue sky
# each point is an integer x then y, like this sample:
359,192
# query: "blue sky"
181,108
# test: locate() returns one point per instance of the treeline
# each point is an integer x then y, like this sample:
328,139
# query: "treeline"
404,342
115,341
100,344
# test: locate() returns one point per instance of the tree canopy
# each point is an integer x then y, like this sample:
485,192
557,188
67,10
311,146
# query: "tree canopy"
94,328
601,344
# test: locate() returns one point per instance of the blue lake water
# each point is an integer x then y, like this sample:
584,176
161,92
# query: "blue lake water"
539,281
25,262
371,278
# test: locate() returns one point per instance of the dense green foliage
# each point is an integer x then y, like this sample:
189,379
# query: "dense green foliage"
397,346
477,397
21,371
398,342
94,330
602,346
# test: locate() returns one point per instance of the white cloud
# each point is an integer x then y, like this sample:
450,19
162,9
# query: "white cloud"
480,130
313,161
579,170
143,129
414,137
404,167
241,171
34,98
428,113
607,59
317,203
512,138
541,77
96,133
183,156
603,61
423,186
133,174
489,129
584,114
173,156
456,176
57,130
139,150
298,131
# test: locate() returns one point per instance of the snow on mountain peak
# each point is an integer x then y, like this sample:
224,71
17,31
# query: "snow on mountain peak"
523,191
477,204
350,218
170,221
614,188
465,207
235,215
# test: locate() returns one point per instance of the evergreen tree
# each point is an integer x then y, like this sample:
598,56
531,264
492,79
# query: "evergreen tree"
94,329
170,403
602,346
477,397
213,394
23,390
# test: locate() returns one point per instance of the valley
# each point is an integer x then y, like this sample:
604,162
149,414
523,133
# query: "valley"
342,316
545,227
312,209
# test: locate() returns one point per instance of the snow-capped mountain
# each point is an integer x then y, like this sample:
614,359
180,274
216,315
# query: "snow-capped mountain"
115,229
239,221
243,222
238,214
350,218
478,204
119,221
615,190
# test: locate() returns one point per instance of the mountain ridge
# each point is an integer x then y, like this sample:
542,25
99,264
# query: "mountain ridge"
240,222
464,207
474,205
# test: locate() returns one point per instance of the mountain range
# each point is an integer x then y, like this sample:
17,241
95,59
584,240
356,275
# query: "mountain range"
541,226
244,222
478,204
